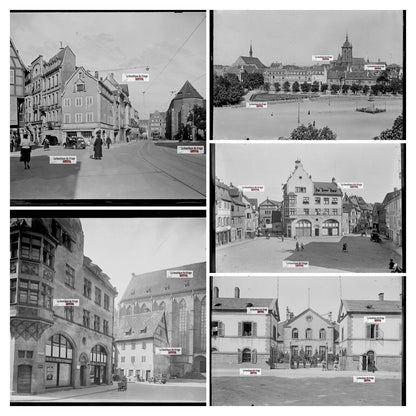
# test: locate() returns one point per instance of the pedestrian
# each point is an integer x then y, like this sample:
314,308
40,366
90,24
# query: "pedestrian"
391,264
45,144
302,247
309,112
345,248
98,146
108,141
297,245
12,143
283,238
25,149
314,123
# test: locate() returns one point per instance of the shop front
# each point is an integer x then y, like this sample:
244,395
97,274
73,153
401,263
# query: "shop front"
98,365
58,362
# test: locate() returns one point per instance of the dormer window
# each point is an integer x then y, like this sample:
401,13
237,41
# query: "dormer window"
80,87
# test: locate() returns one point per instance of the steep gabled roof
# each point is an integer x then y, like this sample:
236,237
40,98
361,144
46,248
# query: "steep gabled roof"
157,283
187,91
248,60
289,322
139,326
370,307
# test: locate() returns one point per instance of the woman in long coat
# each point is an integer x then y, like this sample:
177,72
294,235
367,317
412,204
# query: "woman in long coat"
25,149
98,147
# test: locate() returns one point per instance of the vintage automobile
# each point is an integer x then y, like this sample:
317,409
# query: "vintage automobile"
75,143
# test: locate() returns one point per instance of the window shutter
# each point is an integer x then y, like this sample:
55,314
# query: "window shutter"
380,333
220,329
254,356
368,331
254,329
240,356
240,329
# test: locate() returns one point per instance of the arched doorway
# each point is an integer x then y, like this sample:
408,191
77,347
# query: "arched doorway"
200,364
83,369
58,361
369,361
303,228
98,365
330,227
24,378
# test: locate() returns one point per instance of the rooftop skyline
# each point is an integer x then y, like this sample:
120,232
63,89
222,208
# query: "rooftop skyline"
376,165
171,44
292,37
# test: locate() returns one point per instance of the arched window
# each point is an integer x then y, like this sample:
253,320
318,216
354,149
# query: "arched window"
295,333
236,292
144,308
136,309
59,346
322,333
182,323
203,324
162,306
128,310
216,292
246,357
98,354
308,333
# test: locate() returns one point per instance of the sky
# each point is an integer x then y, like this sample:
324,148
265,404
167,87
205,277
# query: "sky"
292,37
105,42
377,165
324,291
122,246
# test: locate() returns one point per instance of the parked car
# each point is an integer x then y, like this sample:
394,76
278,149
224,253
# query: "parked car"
53,140
75,143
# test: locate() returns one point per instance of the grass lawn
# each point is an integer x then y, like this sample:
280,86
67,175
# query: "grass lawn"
276,391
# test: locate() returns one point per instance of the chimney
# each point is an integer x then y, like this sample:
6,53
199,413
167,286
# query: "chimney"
96,74
287,313
291,315
330,316
381,296
297,163
395,189
333,180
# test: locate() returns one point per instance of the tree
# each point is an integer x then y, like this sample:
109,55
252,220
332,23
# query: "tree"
286,86
227,90
345,88
395,133
355,88
306,87
277,86
335,88
253,81
266,86
383,78
366,88
324,87
198,117
315,86
312,133
295,87
395,86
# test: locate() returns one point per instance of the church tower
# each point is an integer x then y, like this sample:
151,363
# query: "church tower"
251,50
346,58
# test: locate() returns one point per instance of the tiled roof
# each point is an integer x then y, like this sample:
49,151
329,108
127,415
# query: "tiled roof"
324,188
272,201
372,306
187,91
140,326
241,304
390,195
253,61
303,313
157,282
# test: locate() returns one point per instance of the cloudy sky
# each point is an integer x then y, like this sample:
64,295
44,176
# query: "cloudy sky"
292,37
375,165
122,246
130,41
324,291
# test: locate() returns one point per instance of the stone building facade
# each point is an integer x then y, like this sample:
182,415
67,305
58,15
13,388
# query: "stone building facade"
17,90
183,301
57,345
311,209
363,344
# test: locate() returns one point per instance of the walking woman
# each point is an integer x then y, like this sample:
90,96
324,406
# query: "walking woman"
25,150
98,147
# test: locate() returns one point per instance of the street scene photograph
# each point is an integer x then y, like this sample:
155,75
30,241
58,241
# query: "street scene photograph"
109,111
308,74
307,341
308,207
107,309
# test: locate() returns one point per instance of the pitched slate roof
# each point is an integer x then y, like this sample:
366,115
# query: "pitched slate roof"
390,195
157,282
372,306
326,188
248,60
241,304
187,91
272,201
140,326
303,313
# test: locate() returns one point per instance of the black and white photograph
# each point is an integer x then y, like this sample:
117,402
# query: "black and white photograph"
308,75
107,309
307,341
314,207
107,106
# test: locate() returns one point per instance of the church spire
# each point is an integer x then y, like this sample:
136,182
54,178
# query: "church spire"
346,37
251,50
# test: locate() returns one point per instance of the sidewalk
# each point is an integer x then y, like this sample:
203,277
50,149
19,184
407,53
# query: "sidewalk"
308,373
63,394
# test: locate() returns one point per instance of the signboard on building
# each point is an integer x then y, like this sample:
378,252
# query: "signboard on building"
135,77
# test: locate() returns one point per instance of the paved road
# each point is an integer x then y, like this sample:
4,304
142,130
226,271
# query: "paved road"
324,256
272,391
141,170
